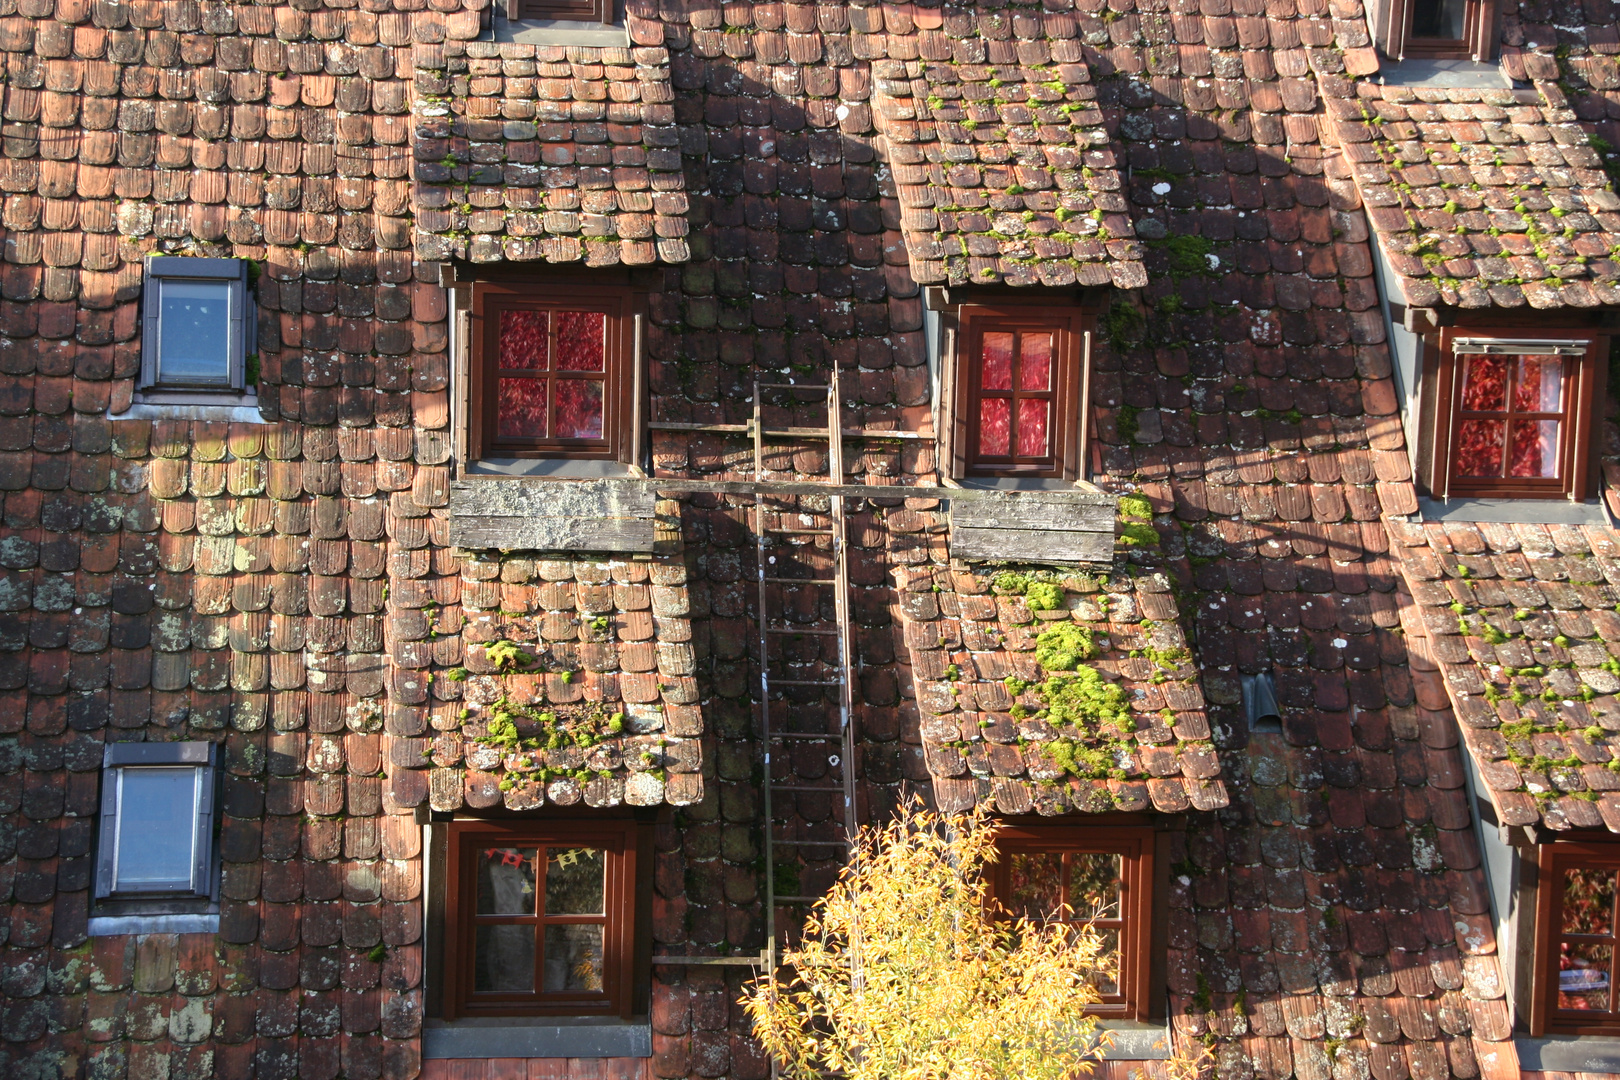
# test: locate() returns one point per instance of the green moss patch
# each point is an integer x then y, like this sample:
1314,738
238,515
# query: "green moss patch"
1063,647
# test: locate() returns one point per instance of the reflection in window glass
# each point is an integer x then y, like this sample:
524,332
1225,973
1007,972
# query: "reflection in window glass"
575,881
573,957
1442,20
1075,887
1588,902
1586,926
1094,885
1036,884
504,960
156,827
506,881
194,332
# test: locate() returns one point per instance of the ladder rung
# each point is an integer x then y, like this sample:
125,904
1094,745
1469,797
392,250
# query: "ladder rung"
790,630
796,433
823,790
792,386
803,580
808,843
805,682
797,899
802,735
802,532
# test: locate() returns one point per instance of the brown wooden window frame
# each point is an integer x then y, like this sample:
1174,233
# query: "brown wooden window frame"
1068,325
489,300
1391,23
592,11
1135,846
619,839
1583,386
1552,861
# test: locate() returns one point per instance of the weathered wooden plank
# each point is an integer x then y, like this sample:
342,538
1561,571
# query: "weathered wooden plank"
865,491
1075,512
1032,545
552,533
536,497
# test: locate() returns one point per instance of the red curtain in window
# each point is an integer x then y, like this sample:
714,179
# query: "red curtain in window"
1016,391
1512,418
552,375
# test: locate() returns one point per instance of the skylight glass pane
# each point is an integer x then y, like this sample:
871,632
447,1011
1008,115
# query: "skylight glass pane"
194,333
156,828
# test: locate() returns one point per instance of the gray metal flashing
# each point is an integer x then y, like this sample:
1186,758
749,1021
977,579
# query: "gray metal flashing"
245,413
1134,1041
1443,74
551,468
1569,1053
526,1038
121,925
1515,511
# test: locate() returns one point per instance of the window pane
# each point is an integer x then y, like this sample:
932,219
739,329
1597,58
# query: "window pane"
996,360
1540,384
1479,447
573,958
994,434
506,881
1032,414
194,332
1589,901
1484,383
1583,976
1535,449
157,815
1034,884
1035,362
523,340
1441,19
1106,977
521,407
1094,882
580,337
579,408
503,959
575,881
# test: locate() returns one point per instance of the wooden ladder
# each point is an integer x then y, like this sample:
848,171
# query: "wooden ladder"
793,613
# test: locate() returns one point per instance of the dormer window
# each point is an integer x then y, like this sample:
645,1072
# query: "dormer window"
1017,392
1514,416
1431,29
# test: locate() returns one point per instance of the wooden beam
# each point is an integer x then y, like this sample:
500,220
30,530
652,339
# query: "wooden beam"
532,514
1032,545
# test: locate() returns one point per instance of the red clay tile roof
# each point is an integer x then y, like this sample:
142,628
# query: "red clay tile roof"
966,637
1001,163
287,589
542,153
1483,198
1516,624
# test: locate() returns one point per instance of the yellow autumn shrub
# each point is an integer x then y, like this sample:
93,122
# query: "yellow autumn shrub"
904,973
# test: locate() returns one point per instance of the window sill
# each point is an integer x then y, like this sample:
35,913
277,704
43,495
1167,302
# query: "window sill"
1569,1053
561,32
226,408
1018,483
1443,74
526,1037
1515,511
550,468
121,925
